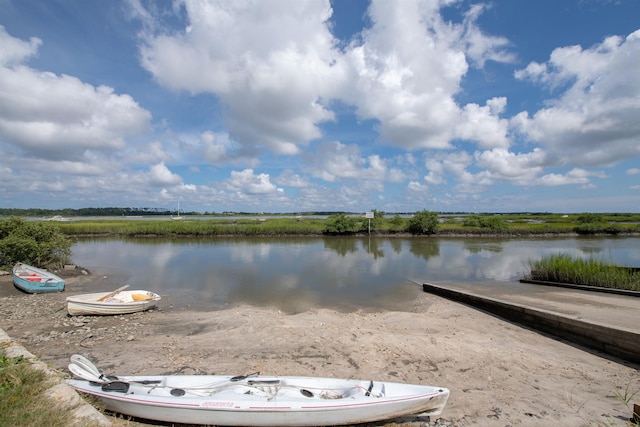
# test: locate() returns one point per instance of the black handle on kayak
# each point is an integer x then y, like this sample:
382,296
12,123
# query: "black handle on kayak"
243,377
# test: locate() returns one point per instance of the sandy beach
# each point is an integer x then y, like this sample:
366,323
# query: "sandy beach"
499,373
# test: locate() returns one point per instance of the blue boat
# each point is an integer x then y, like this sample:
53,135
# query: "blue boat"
34,280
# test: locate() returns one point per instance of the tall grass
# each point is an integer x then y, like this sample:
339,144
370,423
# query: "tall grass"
24,401
22,396
562,268
515,225
243,227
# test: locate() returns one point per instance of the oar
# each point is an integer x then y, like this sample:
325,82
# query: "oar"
86,374
87,365
110,294
81,372
85,369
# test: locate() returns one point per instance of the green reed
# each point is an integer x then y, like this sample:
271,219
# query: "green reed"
520,225
222,227
563,268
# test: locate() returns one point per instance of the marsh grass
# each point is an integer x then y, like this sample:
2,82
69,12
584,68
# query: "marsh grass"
22,391
240,227
626,395
521,225
562,268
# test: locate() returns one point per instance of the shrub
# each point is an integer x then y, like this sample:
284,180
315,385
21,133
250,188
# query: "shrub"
494,223
472,221
597,228
590,218
38,243
397,220
340,224
423,222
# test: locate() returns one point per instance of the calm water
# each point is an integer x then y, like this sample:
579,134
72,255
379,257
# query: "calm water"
296,274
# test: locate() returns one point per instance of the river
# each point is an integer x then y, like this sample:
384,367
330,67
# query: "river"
296,274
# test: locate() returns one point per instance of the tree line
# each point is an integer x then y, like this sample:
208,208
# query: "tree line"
112,211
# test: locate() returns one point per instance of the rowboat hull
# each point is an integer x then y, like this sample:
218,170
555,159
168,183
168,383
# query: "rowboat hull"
124,302
265,401
35,280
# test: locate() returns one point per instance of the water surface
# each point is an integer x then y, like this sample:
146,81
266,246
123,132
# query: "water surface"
296,274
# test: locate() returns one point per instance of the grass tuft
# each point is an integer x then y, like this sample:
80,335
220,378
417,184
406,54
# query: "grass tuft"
562,268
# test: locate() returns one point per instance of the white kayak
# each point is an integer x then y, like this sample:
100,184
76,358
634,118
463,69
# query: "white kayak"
123,302
254,400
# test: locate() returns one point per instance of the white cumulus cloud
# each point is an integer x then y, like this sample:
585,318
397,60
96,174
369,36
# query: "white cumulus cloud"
277,67
574,176
335,160
267,61
408,70
247,181
160,175
594,121
59,116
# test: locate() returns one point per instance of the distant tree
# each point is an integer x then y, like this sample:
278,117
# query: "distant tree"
340,224
423,222
38,243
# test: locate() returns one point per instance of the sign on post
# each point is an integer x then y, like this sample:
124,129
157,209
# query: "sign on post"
369,215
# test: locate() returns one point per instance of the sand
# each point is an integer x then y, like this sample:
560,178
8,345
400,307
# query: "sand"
499,373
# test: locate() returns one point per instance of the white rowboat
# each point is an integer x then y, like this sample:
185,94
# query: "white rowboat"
122,302
254,400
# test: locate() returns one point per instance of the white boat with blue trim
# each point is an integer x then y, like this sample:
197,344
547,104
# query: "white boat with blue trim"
255,400
35,280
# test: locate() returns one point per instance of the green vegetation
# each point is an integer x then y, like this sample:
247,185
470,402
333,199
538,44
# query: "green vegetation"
340,224
373,224
196,228
589,223
22,391
562,268
423,222
493,223
531,224
41,244
24,400
625,396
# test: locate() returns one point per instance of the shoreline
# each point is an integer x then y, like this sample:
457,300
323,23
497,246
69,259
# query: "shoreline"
404,235
498,372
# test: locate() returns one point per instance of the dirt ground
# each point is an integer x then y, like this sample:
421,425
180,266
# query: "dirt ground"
499,373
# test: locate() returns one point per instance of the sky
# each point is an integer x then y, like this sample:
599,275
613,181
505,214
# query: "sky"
299,106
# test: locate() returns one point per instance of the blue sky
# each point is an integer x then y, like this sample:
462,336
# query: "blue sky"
295,106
